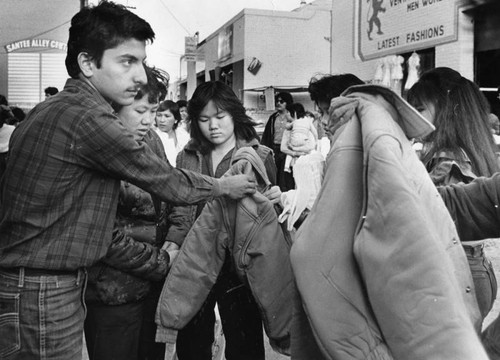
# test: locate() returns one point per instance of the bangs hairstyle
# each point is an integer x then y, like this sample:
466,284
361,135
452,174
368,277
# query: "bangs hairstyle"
105,26
224,99
173,108
285,96
156,87
461,118
323,88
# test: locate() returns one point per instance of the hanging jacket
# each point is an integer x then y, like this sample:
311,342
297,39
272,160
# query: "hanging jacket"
378,261
249,229
182,218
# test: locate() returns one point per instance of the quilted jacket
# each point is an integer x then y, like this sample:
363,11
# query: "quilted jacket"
378,262
259,248
134,259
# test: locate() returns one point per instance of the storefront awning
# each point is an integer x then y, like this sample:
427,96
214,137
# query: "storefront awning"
290,89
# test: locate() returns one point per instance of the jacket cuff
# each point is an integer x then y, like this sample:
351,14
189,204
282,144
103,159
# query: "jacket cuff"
217,188
165,335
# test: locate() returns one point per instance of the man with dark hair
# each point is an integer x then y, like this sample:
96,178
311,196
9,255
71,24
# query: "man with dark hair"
58,196
50,91
272,135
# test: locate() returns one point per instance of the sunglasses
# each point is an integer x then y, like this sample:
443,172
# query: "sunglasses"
279,101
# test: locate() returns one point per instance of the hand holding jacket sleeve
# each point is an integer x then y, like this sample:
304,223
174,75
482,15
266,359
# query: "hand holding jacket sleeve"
237,186
273,194
141,259
475,207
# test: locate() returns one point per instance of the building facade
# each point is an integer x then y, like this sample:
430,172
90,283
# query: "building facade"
259,52
32,52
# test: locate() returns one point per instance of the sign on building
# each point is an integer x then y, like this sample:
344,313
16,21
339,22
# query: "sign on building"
388,27
33,65
190,47
225,43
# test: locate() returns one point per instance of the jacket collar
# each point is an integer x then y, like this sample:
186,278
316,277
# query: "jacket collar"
82,87
413,124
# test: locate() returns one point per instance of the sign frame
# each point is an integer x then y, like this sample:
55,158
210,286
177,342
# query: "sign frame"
407,37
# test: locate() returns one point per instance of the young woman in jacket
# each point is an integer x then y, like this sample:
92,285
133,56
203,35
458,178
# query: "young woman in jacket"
219,126
124,287
459,150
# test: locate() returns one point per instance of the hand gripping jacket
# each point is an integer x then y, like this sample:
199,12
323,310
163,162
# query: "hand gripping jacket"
378,262
260,250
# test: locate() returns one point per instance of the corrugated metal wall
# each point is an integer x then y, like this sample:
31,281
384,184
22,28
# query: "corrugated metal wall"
30,73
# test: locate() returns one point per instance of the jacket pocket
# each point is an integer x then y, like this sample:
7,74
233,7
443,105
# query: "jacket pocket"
10,339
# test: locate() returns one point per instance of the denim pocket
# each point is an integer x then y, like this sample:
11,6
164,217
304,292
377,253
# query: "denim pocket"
484,281
10,340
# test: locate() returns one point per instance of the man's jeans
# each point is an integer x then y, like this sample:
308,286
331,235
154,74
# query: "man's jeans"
41,316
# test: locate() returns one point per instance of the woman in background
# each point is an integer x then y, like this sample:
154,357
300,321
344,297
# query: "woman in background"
184,114
459,150
171,134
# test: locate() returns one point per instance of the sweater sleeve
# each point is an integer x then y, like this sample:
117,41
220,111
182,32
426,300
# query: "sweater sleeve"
180,217
474,207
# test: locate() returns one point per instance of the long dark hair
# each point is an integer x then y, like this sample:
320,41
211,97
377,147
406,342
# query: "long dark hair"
224,99
461,118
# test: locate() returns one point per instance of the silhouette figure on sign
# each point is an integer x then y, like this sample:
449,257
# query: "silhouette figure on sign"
373,17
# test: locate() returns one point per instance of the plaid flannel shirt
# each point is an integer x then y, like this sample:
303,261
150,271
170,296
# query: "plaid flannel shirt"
58,197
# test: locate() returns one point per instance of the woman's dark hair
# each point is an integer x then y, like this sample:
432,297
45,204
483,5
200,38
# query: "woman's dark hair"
51,90
324,88
156,87
105,26
174,109
224,99
296,110
285,96
18,113
461,118
182,103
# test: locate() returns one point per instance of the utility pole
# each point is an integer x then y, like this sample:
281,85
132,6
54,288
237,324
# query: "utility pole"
83,3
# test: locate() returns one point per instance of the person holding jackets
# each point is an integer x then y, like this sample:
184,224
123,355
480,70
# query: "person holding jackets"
392,274
219,127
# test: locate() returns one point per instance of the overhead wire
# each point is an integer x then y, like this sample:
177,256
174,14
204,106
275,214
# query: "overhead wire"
175,18
43,32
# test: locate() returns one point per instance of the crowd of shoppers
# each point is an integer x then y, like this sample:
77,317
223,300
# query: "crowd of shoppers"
60,188
122,213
